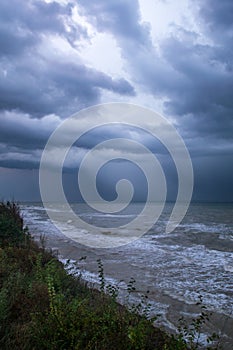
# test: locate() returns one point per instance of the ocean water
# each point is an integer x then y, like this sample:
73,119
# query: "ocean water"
196,258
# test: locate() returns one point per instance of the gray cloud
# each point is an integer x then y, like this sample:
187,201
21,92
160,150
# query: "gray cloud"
193,76
205,89
23,22
35,83
22,131
23,138
120,17
217,15
39,86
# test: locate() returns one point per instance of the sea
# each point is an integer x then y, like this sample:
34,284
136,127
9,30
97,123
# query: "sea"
174,268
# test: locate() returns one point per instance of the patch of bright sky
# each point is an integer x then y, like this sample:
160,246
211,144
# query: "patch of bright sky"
168,17
101,50
103,54
4,72
98,51
163,14
81,21
59,1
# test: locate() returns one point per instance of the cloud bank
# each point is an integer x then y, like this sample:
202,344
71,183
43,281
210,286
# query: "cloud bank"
44,77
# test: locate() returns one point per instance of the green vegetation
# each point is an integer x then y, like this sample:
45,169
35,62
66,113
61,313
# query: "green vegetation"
42,306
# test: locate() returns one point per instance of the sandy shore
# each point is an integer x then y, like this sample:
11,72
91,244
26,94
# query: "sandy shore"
118,269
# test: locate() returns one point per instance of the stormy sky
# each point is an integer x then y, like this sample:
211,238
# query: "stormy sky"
174,57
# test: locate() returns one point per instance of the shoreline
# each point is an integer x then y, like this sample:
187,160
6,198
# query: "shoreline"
44,307
38,271
168,307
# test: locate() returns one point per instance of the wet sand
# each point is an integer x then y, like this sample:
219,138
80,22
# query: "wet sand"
119,269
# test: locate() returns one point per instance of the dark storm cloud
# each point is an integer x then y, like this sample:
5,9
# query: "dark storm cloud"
78,80
193,72
23,138
217,21
23,22
213,180
11,43
39,86
195,77
35,83
20,131
205,90
121,17
19,163
217,15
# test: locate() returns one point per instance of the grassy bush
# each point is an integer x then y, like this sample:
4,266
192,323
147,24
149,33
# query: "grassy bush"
11,224
44,307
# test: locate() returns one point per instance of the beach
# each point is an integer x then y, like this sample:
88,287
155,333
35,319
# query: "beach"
196,259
